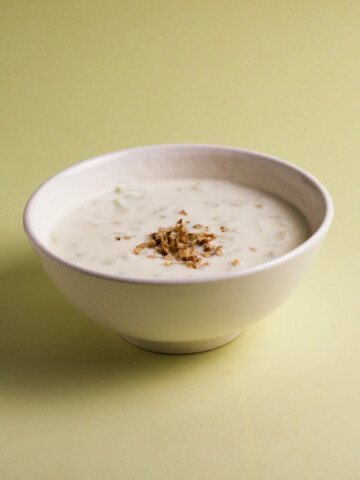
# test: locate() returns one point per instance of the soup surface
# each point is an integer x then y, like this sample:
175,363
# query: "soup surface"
178,228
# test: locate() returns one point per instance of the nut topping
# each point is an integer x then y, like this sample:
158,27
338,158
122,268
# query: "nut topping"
177,244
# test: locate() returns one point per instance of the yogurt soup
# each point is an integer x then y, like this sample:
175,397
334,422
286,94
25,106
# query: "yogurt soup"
178,228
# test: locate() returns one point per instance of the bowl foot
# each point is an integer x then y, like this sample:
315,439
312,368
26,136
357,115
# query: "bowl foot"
182,347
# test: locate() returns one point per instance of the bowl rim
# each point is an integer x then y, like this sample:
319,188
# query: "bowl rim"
83,165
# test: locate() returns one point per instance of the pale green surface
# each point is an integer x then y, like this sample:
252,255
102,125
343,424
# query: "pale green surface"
80,78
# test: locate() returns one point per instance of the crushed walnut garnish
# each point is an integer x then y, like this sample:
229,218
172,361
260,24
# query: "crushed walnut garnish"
252,249
236,262
126,237
177,244
219,251
182,212
224,229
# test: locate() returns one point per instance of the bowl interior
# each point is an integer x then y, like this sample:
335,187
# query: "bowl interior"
67,189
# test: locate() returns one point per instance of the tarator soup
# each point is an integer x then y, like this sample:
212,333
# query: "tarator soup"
178,228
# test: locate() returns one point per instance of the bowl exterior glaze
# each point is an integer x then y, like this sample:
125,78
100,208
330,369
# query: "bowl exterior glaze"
185,316
180,318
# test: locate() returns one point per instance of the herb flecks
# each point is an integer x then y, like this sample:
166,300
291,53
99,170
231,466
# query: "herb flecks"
177,244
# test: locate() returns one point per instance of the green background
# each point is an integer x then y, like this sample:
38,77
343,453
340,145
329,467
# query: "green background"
81,78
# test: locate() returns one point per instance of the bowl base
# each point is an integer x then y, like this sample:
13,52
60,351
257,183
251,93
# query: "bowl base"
182,347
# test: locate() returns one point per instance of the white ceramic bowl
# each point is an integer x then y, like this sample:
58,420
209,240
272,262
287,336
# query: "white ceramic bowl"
178,315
